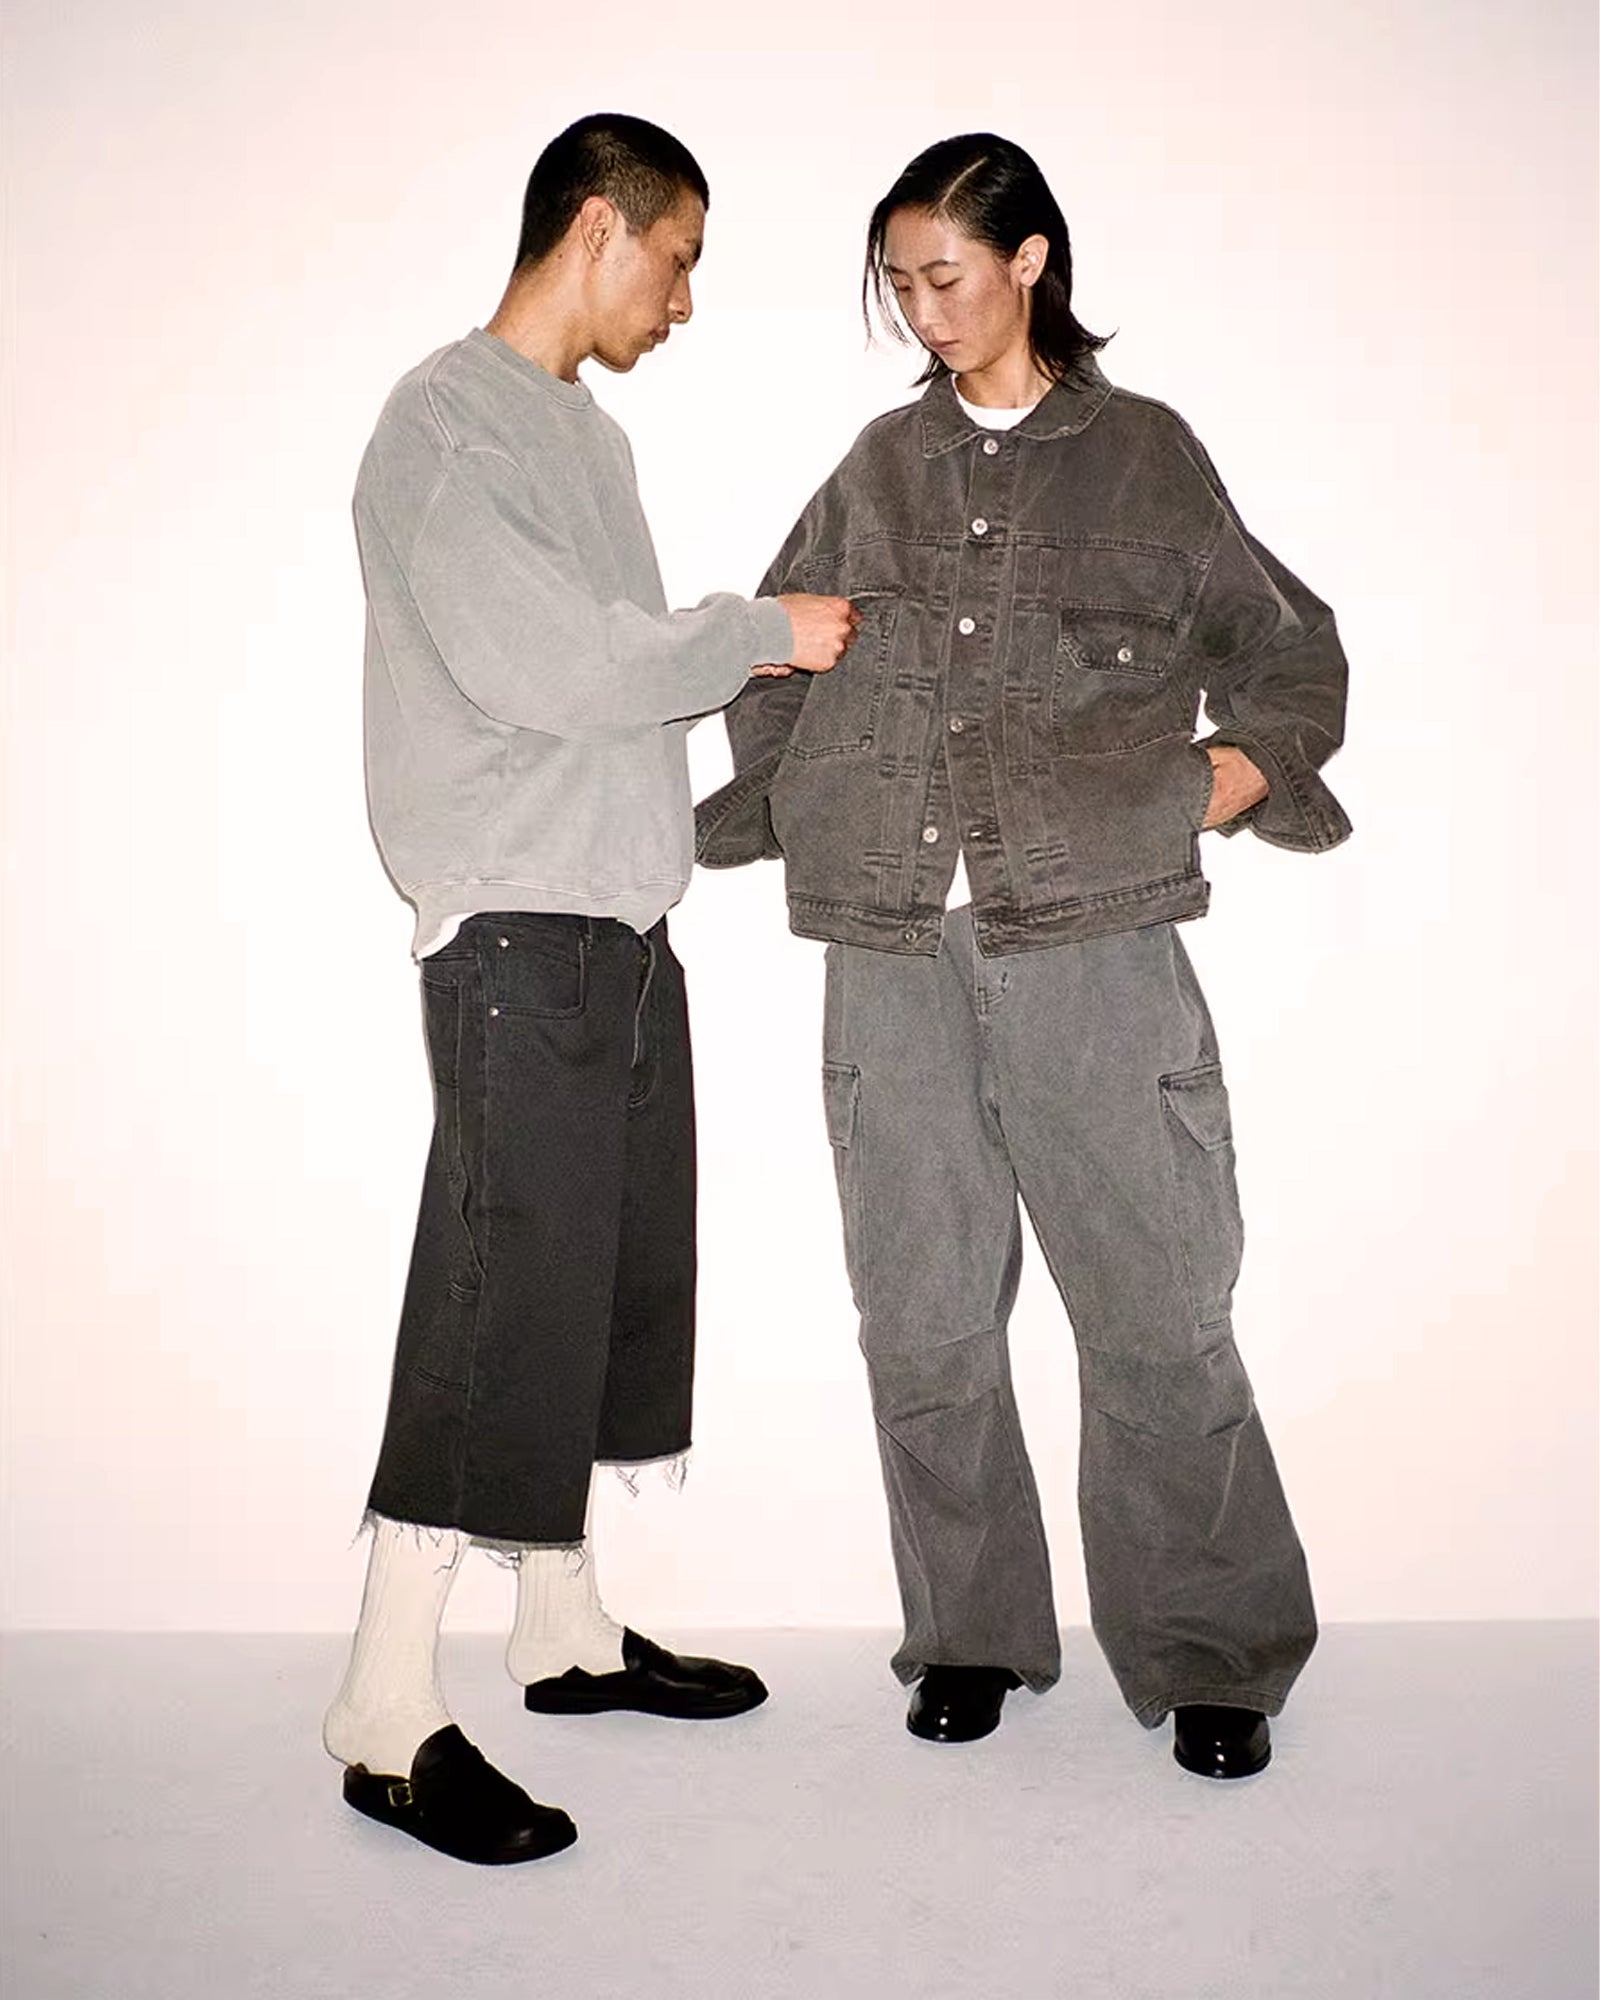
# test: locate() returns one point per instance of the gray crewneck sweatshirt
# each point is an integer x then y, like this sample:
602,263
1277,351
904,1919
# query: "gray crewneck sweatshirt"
528,694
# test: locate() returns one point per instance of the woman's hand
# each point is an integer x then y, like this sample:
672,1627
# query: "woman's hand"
1236,785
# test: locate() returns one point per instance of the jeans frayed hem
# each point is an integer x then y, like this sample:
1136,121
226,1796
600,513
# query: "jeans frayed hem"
450,1542
455,1540
509,1554
674,1470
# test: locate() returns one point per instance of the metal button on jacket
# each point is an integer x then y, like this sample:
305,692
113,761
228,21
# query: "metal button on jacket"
989,447
980,526
966,627
930,834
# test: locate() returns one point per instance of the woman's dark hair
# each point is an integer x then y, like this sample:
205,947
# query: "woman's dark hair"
634,164
993,192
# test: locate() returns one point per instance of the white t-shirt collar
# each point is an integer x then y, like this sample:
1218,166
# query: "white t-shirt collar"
993,420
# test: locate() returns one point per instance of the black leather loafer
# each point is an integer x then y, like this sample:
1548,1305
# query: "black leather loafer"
959,1704
651,1681
1221,1742
455,1800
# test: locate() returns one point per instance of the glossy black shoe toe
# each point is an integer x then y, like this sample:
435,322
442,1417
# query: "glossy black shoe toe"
455,1800
959,1704
651,1681
1219,1742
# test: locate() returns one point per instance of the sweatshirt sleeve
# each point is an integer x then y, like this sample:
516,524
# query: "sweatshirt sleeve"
524,636
734,825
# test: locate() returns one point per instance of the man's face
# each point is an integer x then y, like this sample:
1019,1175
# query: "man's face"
642,283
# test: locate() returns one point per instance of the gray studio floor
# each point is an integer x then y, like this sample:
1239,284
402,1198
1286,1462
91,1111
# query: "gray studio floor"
1427,1832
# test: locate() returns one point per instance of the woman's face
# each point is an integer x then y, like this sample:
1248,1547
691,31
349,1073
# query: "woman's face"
963,301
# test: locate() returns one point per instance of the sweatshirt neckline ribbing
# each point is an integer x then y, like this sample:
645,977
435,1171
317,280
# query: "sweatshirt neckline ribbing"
573,395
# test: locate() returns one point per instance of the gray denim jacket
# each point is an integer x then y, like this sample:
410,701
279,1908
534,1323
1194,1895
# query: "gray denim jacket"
1042,610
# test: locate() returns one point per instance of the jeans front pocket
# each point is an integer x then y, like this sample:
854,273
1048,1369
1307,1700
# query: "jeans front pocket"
536,965
1210,1228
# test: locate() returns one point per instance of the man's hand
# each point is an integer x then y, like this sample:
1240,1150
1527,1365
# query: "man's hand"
1236,785
823,629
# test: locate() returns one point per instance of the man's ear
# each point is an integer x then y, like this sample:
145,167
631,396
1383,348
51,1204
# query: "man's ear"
598,222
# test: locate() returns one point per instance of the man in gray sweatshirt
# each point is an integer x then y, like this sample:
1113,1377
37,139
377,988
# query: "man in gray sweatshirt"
528,697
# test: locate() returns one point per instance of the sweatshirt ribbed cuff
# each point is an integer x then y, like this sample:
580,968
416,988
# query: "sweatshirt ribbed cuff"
774,635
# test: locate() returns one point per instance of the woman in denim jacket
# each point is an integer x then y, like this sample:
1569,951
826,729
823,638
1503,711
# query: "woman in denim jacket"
991,811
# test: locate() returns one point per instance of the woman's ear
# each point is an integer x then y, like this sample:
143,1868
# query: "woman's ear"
1029,262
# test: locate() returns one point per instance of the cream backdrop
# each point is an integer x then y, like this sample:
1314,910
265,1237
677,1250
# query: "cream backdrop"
1354,243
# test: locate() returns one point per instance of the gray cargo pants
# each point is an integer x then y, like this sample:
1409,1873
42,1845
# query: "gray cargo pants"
1084,1077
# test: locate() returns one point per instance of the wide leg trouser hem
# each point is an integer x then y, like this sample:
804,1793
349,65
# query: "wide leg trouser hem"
1267,1701
1038,1680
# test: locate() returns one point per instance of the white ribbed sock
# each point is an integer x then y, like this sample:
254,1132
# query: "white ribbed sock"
390,1701
560,1620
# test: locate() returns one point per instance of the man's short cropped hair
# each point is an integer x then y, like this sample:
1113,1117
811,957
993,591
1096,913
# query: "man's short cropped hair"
639,168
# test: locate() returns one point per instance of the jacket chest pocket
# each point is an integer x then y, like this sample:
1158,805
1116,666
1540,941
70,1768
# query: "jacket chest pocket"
1107,637
842,707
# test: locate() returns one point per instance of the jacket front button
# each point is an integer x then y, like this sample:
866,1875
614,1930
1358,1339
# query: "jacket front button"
980,526
989,447
966,627
956,725
930,834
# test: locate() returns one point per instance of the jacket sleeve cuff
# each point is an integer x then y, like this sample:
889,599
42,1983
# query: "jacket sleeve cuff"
734,826
1299,812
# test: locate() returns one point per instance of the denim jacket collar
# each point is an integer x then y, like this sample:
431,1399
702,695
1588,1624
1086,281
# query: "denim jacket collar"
1071,406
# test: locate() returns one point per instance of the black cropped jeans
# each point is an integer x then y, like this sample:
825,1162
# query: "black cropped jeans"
549,1313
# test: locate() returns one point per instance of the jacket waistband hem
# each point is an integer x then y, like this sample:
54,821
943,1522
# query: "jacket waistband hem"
1002,932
